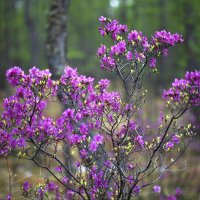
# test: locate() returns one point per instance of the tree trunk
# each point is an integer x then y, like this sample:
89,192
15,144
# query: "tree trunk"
56,50
56,36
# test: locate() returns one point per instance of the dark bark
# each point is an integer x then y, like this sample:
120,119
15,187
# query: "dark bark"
56,50
56,36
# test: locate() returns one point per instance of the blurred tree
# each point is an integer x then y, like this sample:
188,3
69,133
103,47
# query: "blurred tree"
32,32
5,39
56,49
123,11
56,35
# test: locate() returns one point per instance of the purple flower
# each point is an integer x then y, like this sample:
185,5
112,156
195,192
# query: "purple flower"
139,140
169,145
132,125
122,28
165,52
152,63
58,169
26,186
98,139
175,139
40,193
136,190
110,118
161,117
168,38
103,84
118,49
179,192
57,195
130,167
108,163
14,76
182,83
178,38
93,146
102,19
51,186
129,56
84,129
101,51
187,87
70,194
78,116
68,114
134,35
68,73
65,180
83,153
111,28
74,138
8,197
145,43
139,57
171,197
107,63
102,31
157,189
77,164
110,194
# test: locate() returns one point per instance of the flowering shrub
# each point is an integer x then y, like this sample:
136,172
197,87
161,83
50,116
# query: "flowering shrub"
116,158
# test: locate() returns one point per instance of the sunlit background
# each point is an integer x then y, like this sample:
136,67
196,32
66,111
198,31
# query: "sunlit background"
22,43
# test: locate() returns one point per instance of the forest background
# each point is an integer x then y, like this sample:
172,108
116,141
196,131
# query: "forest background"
23,32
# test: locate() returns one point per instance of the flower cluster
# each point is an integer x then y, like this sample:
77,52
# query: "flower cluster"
24,118
111,28
186,89
157,189
175,140
167,38
97,125
87,124
42,190
26,186
134,47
